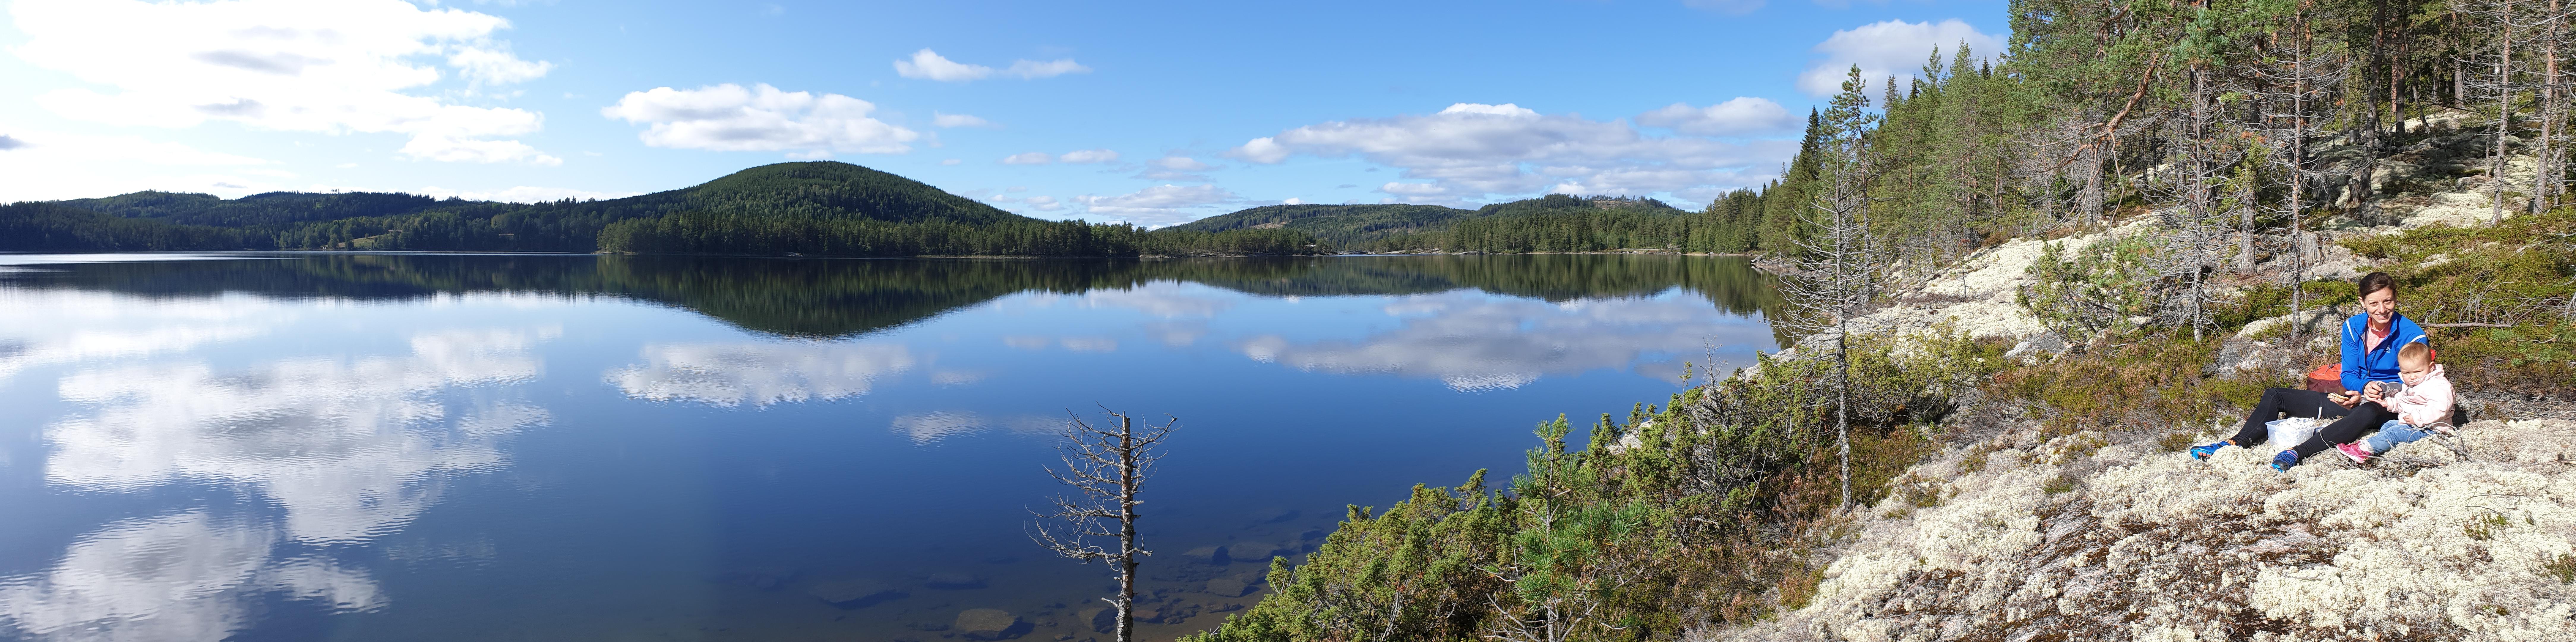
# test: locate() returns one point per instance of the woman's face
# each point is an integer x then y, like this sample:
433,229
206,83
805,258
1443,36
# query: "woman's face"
2382,305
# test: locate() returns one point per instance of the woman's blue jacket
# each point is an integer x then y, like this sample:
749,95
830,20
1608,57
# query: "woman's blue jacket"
2360,367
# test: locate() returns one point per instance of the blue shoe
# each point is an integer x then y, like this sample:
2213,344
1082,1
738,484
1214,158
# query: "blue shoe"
2282,462
2203,451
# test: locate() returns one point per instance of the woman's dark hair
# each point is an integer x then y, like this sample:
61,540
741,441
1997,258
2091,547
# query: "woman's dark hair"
2374,282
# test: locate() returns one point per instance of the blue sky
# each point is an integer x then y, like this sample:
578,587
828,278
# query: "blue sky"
1153,113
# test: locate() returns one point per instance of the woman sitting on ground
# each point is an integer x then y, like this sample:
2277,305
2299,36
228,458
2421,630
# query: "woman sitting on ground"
2370,344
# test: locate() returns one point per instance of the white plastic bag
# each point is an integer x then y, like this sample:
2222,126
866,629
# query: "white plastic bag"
2288,433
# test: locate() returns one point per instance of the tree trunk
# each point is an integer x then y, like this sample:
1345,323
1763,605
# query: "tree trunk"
2504,113
1126,530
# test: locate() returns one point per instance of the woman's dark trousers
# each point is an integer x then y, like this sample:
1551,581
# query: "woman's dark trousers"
2348,425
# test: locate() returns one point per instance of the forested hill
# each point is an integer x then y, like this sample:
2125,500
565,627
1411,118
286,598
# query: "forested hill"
1338,224
1551,223
812,208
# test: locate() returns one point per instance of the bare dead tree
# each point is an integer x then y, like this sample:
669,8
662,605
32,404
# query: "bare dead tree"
1105,467
1841,261
2294,74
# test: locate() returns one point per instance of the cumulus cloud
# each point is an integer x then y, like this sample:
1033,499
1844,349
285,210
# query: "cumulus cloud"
495,65
1890,48
290,65
1470,150
1028,158
929,65
1740,116
1043,203
1161,204
1089,156
58,148
960,120
1175,168
1180,164
729,117
760,374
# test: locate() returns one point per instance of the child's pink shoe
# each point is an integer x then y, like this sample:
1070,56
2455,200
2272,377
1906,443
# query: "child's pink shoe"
2354,451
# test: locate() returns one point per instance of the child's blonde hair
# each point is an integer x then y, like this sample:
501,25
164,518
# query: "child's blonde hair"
2415,354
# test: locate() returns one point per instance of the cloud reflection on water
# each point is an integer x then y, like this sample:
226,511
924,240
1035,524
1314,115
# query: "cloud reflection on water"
57,327
1477,343
760,373
182,576
351,448
348,449
928,427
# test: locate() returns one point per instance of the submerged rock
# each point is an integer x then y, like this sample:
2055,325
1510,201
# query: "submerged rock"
1229,587
854,593
990,624
1217,555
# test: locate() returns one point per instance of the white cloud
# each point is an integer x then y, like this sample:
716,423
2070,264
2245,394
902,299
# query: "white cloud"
1028,158
1047,69
1162,204
959,120
729,117
1740,116
1293,201
74,147
1043,203
1890,48
1176,169
1090,156
291,65
1180,164
1470,150
929,65
1731,7
1265,150
760,374
951,161
496,65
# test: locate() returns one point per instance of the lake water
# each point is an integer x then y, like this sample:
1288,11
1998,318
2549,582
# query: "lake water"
514,447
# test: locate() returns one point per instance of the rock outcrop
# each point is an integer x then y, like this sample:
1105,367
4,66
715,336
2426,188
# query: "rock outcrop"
2472,538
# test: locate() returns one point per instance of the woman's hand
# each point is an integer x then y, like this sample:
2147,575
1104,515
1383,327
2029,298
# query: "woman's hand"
2346,400
2370,392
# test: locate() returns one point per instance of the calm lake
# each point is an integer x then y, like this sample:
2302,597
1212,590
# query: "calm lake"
516,447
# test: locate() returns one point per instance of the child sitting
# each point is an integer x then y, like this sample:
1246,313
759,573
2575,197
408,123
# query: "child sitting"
2422,407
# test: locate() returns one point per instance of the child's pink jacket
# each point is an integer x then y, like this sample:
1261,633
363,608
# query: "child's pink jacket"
2425,403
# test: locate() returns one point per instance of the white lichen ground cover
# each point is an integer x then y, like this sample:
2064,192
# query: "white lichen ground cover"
2076,539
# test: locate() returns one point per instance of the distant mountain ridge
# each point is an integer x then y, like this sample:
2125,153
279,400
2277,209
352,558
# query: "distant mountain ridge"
809,208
